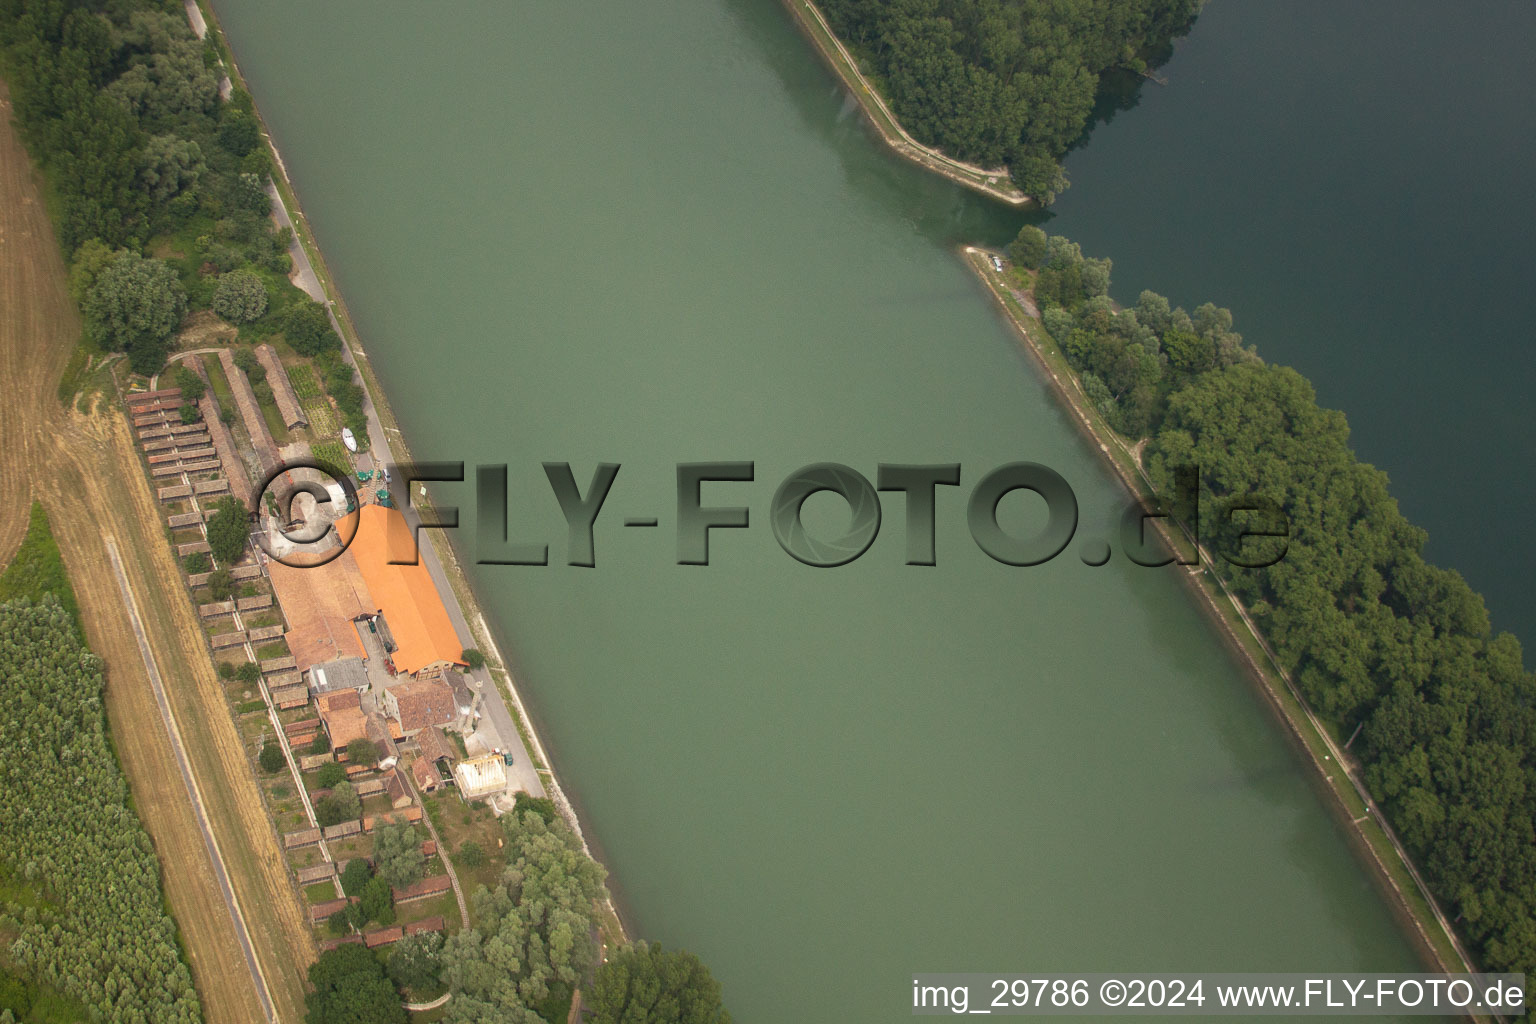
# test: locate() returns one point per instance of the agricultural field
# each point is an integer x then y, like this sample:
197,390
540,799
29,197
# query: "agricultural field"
82,908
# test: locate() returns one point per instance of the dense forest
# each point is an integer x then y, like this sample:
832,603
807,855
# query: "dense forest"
81,911
1003,81
158,184
1382,643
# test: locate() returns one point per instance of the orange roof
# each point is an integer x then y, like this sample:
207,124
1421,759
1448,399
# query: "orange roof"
344,718
406,595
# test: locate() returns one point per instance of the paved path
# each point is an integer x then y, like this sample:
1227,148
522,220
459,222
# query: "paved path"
222,875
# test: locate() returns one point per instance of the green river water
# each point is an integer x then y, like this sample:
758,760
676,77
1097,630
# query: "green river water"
647,235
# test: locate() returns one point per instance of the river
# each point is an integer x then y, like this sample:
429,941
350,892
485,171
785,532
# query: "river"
602,232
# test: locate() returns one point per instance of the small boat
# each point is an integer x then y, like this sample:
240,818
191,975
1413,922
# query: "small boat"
348,439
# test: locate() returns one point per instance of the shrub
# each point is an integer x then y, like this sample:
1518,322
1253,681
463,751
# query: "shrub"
473,658
249,672
271,758
197,563
471,854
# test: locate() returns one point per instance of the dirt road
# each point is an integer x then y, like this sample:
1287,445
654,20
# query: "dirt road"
84,470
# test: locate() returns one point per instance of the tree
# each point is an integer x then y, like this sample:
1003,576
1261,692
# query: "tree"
307,327
196,563
377,902
321,744
397,854
240,297
271,758
473,658
1028,249
228,529
171,164
190,382
245,358
250,194
644,984
330,774
349,987
362,751
221,584
248,672
415,962
188,413
341,804
238,132
471,854
133,305
354,876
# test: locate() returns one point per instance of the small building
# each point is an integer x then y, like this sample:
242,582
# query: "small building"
283,395
342,713
319,912
383,936
299,840
481,776
316,872
426,775
434,745
344,829
287,697
379,733
427,924
395,786
436,885
340,674
420,703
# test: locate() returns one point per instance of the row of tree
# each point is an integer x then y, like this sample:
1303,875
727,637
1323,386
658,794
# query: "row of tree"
94,925
1003,81
1381,642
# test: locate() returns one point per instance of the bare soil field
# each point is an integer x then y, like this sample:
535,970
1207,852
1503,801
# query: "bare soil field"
84,469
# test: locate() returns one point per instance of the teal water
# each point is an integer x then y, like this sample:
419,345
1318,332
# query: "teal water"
1354,182
599,233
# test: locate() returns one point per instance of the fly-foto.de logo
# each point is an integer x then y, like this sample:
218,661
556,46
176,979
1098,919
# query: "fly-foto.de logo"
305,515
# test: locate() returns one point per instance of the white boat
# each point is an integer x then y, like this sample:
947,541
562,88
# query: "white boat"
348,439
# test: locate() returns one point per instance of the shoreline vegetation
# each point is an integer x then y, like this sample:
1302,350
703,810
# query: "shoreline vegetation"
993,182
1351,802
960,86
1362,640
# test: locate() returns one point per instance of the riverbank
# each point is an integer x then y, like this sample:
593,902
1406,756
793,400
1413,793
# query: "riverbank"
1338,774
989,182
439,548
